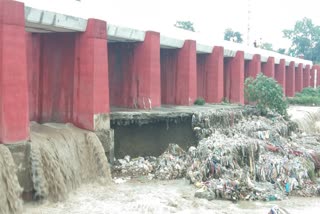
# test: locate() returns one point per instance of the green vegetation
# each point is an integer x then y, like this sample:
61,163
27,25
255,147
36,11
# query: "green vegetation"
266,93
186,25
199,101
305,38
233,36
308,96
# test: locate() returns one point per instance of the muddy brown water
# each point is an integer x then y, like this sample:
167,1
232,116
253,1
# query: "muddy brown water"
143,196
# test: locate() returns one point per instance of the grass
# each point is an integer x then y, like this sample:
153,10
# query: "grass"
199,101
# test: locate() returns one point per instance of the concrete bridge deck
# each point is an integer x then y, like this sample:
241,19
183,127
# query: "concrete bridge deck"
41,21
60,68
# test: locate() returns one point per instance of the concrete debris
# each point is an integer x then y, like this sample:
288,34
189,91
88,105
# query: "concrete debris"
247,157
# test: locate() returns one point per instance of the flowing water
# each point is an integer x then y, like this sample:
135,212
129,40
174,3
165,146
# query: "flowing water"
61,159
175,196
307,118
10,189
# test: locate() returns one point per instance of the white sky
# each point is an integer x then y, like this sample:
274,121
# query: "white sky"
210,17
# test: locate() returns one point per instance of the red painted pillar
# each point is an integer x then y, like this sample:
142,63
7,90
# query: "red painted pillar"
91,95
306,76
280,74
234,78
299,78
253,66
210,75
312,75
318,75
14,110
147,70
268,67
290,80
186,76
214,68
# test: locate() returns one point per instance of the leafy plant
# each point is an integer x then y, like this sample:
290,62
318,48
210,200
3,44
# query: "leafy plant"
200,101
266,93
308,96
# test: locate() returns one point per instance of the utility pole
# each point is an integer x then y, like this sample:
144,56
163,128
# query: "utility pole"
249,22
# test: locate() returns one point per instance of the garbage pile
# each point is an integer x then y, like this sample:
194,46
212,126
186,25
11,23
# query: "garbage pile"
246,157
172,164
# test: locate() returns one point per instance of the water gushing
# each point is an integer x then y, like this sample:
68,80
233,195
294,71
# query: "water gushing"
10,190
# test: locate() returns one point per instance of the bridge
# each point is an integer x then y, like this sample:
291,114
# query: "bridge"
59,68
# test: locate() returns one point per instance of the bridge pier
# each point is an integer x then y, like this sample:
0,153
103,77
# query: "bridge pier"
306,76
179,75
299,78
312,76
91,84
280,73
290,79
210,75
135,73
234,78
14,118
268,67
253,67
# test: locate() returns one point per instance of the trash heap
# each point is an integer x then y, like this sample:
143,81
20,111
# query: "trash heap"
255,159
240,156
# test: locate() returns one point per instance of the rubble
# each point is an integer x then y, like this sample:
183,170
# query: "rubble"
240,156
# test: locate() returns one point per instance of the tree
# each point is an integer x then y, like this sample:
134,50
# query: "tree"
187,25
266,93
267,46
305,38
233,36
281,50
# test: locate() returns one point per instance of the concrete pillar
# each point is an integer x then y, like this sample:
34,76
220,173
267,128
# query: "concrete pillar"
306,76
234,78
33,72
312,76
280,73
210,75
253,67
299,78
318,75
14,119
147,70
91,86
168,63
290,79
186,76
268,67
134,73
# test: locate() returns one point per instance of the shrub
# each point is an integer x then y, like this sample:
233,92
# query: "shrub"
308,96
199,101
266,93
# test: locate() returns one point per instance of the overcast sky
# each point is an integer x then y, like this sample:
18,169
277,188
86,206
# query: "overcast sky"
210,17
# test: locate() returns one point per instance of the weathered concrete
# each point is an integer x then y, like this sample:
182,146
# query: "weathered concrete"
290,80
280,74
144,133
41,21
14,109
